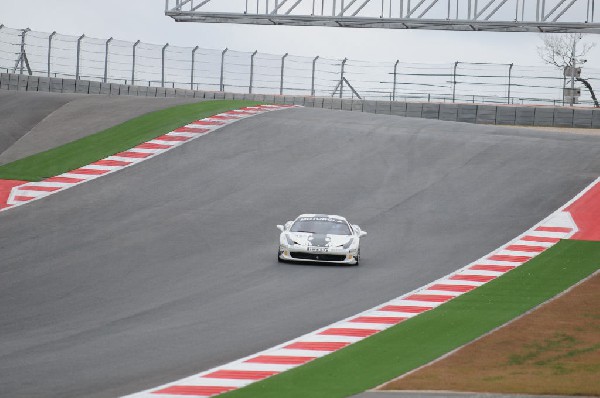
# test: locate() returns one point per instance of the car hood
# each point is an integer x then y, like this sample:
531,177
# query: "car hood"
319,240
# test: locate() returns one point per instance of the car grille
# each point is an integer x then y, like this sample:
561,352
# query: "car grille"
318,256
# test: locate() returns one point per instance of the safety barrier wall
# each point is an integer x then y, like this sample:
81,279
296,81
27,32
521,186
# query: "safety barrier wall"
469,113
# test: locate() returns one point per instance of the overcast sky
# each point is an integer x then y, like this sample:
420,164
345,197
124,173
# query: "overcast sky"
131,20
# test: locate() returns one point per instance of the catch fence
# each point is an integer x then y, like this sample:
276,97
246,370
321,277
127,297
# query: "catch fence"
136,63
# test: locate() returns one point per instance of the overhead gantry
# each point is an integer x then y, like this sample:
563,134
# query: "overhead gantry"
546,16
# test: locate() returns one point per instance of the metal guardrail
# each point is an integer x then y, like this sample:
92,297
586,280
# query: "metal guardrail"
527,115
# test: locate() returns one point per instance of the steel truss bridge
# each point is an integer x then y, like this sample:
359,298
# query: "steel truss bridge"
545,16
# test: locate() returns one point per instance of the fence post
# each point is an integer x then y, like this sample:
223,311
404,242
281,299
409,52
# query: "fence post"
282,68
251,71
454,83
162,74
342,77
106,59
78,56
193,66
509,76
395,70
133,63
221,84
22,57
50,50
312,87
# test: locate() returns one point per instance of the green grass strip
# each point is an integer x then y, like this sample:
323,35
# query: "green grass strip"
419,340
113,140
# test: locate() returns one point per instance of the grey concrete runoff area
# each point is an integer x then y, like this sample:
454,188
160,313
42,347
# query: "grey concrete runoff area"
496,114
168,268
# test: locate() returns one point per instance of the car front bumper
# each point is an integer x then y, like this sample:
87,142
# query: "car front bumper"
303,254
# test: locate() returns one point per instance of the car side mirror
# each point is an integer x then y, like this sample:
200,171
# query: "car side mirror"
362,233
280,227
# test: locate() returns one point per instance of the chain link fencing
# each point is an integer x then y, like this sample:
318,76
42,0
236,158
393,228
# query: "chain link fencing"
116,61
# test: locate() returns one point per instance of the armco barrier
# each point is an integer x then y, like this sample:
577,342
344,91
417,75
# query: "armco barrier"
469,113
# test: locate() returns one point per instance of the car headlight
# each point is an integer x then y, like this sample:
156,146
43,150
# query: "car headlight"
348,244
290,241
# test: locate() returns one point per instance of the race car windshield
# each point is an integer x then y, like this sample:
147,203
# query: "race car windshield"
321,226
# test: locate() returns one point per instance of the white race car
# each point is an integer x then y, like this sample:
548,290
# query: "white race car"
320,238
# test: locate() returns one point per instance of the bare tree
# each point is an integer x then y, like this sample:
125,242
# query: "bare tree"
562,50
565,50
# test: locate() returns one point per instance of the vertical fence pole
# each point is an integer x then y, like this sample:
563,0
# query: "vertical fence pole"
78,56
573,61
509,77
50,50
563,88
282,69
22,56
395,74
193,66
342,77
251,72
221,83
106,59
162,72
312,86
133,63
454,83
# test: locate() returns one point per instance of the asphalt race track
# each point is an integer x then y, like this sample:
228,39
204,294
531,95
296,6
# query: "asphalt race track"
169,268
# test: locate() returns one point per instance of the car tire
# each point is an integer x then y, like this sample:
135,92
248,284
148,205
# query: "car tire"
279,260
357,258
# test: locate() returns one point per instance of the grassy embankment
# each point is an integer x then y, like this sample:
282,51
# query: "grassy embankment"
554,350
113,140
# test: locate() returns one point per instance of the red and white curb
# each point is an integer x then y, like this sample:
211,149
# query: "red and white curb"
16,193
585,208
